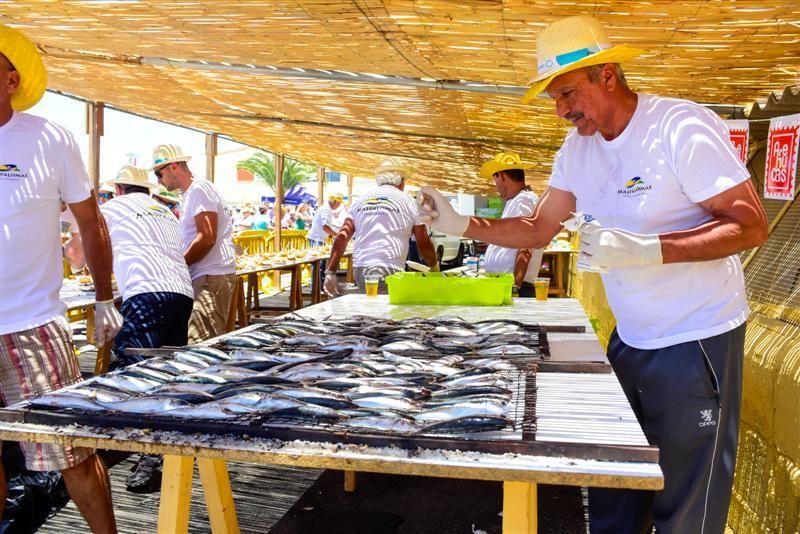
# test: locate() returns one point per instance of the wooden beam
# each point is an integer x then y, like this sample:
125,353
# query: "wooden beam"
278,206
94,128
211,155
320,186
349,190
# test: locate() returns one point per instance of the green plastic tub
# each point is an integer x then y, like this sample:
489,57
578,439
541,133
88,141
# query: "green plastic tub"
494,289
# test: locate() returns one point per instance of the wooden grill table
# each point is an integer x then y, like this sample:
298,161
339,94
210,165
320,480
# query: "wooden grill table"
585,412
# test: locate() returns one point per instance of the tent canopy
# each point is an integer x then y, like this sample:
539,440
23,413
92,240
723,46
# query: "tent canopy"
324,104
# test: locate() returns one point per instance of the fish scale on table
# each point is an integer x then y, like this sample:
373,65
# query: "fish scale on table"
413,376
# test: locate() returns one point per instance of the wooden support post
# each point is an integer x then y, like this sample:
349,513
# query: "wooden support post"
277,208
349,481
176,494
211,156
349,190
519,508
320,186
94,127
219,498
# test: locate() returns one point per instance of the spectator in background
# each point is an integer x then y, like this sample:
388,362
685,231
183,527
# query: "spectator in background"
324,224
245,221
262,220
168,199
105,193
304,216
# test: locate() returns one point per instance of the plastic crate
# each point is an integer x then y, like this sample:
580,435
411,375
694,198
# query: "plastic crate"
442,289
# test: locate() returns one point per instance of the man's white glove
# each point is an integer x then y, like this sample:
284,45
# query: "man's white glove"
331,285
435,210
107,321
607,248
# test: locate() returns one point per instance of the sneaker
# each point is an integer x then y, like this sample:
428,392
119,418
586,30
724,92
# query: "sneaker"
146,477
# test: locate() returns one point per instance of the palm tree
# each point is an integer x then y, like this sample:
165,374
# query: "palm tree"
262,165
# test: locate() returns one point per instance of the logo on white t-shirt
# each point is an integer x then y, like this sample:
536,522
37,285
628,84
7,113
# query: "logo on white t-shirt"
380,203
634,187
11,170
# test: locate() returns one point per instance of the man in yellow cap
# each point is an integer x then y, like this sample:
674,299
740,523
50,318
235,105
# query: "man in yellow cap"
383,219
41,166
669,206
206,231
323,225
508,173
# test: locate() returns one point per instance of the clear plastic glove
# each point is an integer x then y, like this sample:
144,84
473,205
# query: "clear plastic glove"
107,321
608,248
435,210
331,285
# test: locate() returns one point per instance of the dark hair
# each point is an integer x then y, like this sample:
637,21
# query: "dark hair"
517,175
127,189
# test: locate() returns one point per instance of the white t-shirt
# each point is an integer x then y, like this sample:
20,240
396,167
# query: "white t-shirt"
146,240
202,197
501,259
383,219
323,217
672,155
40,165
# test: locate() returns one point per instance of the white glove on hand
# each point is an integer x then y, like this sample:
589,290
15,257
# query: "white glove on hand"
435,210
607,248
107,321
331,285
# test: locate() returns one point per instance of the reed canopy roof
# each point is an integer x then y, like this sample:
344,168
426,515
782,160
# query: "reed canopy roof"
316,86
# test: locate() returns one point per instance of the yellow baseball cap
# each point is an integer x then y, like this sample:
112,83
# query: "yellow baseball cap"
503,161
25,57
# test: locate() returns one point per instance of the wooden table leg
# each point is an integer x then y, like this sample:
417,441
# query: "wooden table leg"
219,498
519,508
230,323
296,289
350,481
176,494
350,270
315,285
241,306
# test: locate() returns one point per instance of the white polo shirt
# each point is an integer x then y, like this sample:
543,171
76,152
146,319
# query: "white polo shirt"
672,155
40,165
148,252
501,259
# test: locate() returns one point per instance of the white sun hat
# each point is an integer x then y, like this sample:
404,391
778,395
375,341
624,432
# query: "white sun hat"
130,175
165,154
570,44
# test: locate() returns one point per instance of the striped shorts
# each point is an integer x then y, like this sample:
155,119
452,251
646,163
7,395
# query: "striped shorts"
34,362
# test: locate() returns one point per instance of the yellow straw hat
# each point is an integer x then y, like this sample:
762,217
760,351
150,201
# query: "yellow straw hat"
164,154
503,161
336,197
570,44
393,164
25,57
130,175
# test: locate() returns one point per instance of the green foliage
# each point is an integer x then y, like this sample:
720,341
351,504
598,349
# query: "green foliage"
262,166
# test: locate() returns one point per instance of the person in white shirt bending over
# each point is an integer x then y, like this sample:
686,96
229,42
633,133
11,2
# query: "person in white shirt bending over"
206,229
323,225
508,173
382,221
672,206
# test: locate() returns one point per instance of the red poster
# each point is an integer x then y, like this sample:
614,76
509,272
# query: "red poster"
740,137
782,146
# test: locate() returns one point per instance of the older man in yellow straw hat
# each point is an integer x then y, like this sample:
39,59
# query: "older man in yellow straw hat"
670,207
508,173
40,166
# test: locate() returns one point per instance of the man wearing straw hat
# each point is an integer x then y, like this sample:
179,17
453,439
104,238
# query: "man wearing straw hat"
41,166
508,173
383,221
206,229
670,207
168,199
323,224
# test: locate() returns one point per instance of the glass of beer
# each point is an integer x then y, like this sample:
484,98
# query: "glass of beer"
371,282
541,286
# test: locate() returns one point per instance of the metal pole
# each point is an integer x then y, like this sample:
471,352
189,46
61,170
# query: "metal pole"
211,156
94,128
277,208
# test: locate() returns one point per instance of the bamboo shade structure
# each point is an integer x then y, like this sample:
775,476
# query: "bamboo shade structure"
731,52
